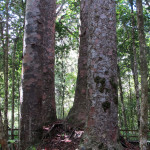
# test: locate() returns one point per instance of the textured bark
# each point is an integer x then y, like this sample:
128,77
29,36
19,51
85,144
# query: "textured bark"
48,11
101,130
6,74
37,93
122,100
144,82
78,112
135,66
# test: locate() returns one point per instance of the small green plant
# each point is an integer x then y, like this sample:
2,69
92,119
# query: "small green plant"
31,148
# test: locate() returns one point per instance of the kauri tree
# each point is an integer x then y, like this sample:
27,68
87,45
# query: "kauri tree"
37,92
101,131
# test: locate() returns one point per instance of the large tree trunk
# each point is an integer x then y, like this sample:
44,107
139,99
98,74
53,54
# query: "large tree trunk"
6,74
78,112
135,66
101,130
37,93
48,12
144,82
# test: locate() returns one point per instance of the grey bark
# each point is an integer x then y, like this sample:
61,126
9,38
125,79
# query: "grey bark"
144,82
101,131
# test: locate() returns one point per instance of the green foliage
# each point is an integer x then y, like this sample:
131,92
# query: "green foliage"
67,35
32,148
125,58
16,23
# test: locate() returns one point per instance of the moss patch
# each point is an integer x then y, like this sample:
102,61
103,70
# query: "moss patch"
102,82
102,85
107,90
101,89
100,58
106,105
106,72
96,18
97,79
101,146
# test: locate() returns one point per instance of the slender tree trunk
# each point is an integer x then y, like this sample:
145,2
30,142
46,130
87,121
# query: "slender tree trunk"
122,101
6,74
130,105
18,87
63,86
37,91
101,131
63,98
3,140
144,82
3,44
78,113
13,88
135,66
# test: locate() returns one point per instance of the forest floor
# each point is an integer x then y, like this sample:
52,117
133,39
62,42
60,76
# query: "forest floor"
60,136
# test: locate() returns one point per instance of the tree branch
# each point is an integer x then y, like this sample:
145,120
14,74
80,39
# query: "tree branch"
68,30
61,7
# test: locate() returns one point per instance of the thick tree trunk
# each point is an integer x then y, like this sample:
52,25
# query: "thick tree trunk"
48,12
6,74
144,82
135,66
37,93
78,112
101,130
